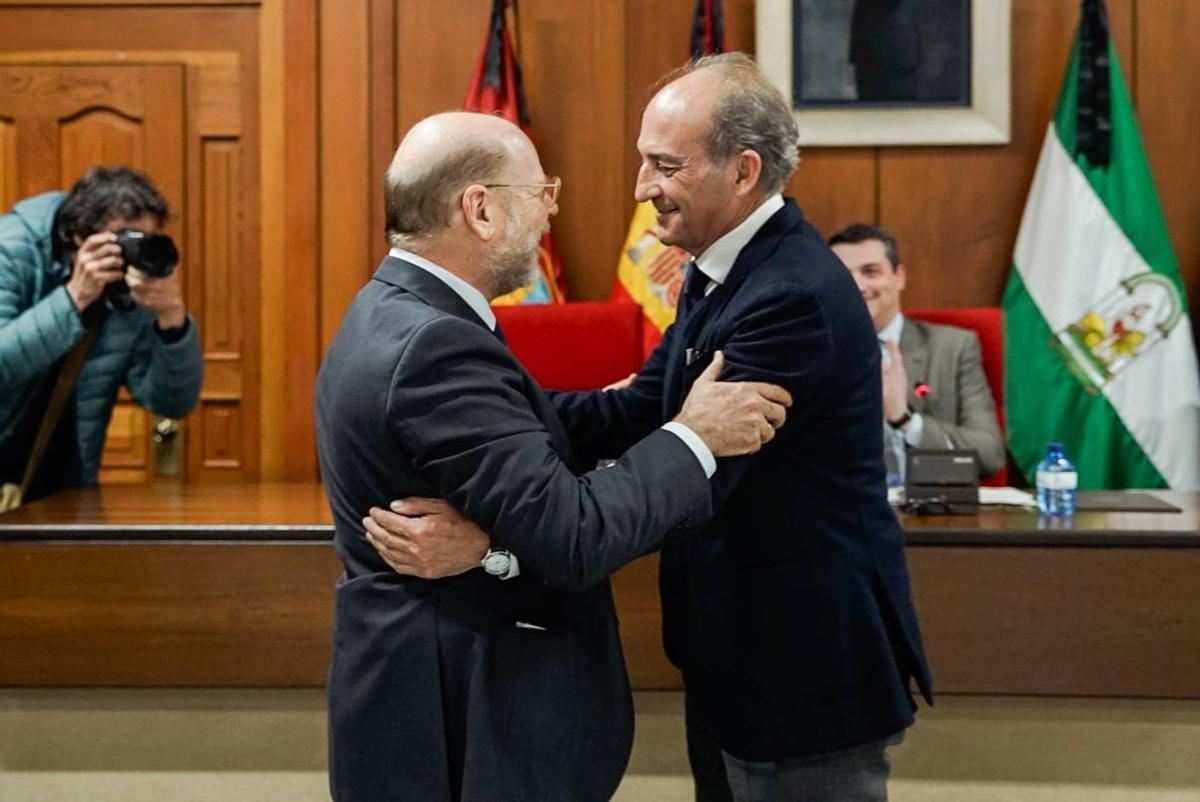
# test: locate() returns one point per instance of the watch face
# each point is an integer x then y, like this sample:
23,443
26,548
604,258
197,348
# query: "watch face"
496,562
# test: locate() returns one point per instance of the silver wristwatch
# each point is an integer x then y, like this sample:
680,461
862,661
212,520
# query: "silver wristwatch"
498,562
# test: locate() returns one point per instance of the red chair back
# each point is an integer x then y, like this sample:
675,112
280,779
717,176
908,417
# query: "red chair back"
575,346
988,323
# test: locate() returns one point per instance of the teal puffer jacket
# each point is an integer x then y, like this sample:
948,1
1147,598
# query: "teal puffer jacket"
39,325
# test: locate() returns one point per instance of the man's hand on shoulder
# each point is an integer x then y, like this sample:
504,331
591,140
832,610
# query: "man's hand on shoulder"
733,417
426,538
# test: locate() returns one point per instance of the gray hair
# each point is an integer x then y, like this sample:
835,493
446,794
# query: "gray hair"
751,114
420,201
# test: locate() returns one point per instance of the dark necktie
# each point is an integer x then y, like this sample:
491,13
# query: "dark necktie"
694,284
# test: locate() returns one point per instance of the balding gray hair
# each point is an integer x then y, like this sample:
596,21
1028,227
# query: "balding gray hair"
751,114
421,200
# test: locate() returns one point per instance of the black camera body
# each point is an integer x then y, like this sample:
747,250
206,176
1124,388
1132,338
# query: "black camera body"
153,254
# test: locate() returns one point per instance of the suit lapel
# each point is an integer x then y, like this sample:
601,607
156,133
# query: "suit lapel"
436,293
694,332
914,349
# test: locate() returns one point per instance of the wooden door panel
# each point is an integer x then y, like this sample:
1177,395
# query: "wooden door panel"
100,137
8,164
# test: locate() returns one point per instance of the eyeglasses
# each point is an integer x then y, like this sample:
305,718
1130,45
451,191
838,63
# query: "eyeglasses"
549,190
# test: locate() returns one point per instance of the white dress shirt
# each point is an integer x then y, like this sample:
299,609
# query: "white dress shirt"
717,260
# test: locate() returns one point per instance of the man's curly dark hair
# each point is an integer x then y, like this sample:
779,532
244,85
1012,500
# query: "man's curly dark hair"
102,195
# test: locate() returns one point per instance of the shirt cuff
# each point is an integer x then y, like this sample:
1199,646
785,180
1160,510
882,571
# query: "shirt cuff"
514,567
692,440
914,430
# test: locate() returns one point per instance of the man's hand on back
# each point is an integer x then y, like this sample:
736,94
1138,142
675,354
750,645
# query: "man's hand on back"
733,418
426,537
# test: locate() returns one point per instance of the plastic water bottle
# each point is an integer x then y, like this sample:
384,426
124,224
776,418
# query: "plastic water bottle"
1056,482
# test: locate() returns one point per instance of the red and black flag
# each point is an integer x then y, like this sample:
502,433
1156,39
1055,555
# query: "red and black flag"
497,89
708,29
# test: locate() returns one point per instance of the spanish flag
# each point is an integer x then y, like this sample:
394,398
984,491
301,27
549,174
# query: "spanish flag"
497,89
649,273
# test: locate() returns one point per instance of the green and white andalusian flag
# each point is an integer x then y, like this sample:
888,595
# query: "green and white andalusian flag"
1098,344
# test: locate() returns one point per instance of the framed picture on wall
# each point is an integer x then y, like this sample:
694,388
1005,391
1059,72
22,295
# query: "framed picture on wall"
890,72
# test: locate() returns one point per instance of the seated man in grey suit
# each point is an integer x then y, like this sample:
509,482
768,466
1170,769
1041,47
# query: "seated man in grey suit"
935,394
493,684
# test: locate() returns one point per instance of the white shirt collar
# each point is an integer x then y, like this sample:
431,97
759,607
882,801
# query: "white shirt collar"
472,296
892,331
717,260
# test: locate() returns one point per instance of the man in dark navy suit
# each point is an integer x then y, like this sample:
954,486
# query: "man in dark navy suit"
789,613
504,683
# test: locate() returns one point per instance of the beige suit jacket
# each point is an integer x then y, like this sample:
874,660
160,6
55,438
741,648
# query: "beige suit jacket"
959,410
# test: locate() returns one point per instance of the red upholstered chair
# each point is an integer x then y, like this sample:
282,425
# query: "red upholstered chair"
575,346
988,323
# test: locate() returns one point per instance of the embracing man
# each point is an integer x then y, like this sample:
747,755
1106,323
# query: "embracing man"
789,613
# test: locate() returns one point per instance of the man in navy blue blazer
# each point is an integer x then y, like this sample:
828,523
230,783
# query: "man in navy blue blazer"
497,684
790,613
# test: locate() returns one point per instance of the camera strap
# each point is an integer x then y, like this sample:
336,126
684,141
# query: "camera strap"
11,494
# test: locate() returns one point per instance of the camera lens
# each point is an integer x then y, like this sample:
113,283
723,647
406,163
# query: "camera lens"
153,254
158,256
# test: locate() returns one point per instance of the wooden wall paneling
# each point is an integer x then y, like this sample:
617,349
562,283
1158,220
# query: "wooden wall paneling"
220,171
247,42
346,238
166,161
635,591
220,441
739,25
955,210
8,163
221,614
129,2
836,186
125,445
574,67
1094,622
382,89
289,327
272,275
223,269
106,27
1165,53
221,175
437,46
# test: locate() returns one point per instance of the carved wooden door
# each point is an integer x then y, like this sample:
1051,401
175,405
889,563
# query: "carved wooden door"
58,121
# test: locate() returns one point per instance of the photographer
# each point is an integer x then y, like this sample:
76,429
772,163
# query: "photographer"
86,267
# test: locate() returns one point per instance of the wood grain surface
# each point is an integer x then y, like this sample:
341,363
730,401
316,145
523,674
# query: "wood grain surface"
232,585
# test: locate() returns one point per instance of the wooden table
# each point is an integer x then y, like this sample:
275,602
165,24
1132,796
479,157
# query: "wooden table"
231,585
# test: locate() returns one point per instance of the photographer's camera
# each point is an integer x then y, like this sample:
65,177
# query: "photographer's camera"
153,254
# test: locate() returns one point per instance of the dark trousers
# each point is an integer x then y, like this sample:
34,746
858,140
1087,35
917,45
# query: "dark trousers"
856,774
